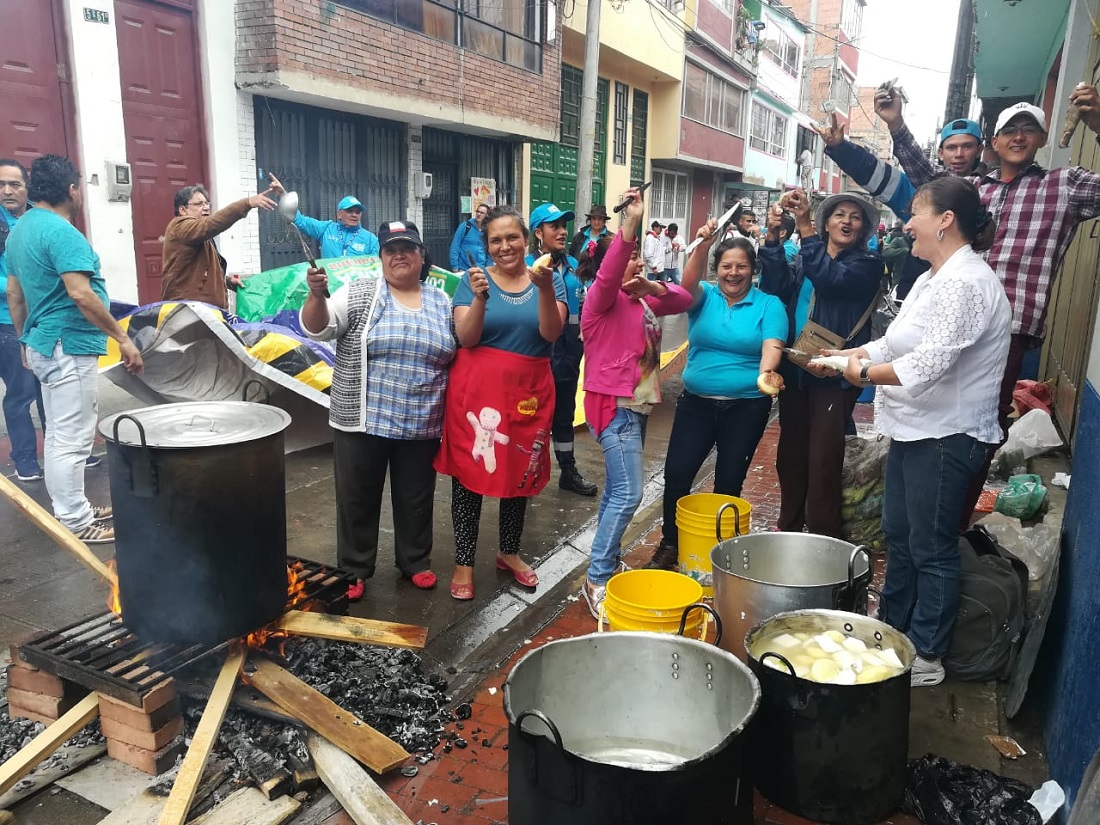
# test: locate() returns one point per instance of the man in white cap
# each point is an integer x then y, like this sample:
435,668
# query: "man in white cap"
1037,212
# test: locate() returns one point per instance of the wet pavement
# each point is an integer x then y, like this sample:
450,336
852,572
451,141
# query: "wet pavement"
42,587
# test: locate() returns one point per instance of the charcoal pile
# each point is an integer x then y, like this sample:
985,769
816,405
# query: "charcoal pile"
16,733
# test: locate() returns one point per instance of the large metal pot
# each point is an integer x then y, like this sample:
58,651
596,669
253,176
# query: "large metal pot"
761,574
831,753
630,728
199,497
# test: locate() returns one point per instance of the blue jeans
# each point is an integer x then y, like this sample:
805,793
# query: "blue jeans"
734,427
70,393
926,483
20,391
621,441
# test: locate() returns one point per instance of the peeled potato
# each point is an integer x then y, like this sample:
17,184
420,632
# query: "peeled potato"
768,383
545,262
824,670
814,651
874,673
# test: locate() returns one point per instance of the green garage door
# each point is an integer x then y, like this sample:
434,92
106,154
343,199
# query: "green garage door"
554,165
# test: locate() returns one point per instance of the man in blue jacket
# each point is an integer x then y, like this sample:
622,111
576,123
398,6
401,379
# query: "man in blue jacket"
339,238
468,241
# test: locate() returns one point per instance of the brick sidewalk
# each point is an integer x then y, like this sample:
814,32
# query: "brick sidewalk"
469,786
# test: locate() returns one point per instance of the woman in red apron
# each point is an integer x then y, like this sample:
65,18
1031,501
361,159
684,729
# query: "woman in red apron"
500,397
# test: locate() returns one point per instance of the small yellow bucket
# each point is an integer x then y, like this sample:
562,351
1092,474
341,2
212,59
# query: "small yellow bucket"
654,600
702,521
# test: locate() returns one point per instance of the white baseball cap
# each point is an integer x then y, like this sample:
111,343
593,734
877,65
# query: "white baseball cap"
1034,112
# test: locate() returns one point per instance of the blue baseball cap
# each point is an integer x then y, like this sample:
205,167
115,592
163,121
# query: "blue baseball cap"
350,202
961,127
548,213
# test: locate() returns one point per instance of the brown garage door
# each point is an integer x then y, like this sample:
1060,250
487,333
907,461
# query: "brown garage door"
162,113
33,112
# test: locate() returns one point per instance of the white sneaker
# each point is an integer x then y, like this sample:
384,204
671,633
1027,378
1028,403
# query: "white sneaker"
926,672
593,595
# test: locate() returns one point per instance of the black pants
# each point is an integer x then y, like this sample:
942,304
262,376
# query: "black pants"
810,456
733,426
565,363
360,463
466,517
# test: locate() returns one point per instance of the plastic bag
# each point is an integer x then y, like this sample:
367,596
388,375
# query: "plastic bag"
1022,497
864,461
1035,546
941,792
1032,434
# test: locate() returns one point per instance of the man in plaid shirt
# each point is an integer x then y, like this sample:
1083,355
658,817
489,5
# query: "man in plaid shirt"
1037,212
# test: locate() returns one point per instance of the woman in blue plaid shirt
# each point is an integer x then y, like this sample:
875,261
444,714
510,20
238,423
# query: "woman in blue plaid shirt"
394,344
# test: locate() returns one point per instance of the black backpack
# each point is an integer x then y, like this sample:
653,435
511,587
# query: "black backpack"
5,230
989,626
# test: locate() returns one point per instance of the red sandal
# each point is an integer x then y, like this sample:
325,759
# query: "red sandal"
425,579
527,578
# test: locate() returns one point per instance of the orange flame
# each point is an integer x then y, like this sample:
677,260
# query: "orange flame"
114,603
295,595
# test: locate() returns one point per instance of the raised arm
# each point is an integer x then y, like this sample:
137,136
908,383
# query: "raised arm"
609,279
696,266
200,230
880,179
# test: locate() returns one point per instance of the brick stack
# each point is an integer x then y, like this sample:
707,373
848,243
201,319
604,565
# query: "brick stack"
37,695
149,737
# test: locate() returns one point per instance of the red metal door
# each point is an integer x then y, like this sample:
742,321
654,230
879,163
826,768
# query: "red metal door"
162,113
33,110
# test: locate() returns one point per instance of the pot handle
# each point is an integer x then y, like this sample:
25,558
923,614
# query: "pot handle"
713,614
781,658
542,717
867,607
856,551
736,520
143,477
248,384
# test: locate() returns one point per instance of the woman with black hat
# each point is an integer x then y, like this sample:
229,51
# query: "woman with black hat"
833,283
393,348
593,230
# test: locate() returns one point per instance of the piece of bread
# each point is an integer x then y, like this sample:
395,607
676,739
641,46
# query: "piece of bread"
545,262
769,383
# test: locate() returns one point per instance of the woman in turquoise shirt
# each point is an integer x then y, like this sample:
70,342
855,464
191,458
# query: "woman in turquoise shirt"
736,335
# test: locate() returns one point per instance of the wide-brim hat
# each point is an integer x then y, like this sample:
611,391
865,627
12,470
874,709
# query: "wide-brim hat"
598,211
870,213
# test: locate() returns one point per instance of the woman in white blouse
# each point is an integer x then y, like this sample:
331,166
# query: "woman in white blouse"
939,368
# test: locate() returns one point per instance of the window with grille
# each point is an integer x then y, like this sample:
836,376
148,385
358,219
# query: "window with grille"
669,201
783,49
709,99
851,18
769,130
509,32
842,91
619,142
638,137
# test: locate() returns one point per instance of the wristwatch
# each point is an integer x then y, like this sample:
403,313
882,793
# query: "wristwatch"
865,376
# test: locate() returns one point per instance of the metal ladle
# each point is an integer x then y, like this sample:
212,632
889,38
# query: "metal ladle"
288,208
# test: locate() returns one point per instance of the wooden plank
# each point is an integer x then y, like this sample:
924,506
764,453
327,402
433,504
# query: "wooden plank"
248,807
323,806
363,800
52,528
48,741
270,777
6,817
187,781
352,629
375,750
67,759
145,808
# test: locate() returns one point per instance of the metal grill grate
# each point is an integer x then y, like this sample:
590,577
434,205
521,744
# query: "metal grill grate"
101,654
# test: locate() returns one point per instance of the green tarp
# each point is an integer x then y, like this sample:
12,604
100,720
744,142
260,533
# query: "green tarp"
276,290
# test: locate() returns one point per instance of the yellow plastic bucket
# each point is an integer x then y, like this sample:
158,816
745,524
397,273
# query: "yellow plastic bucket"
655,601
703,520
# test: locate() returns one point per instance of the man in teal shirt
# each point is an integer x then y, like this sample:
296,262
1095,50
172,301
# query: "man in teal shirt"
20,386
58,304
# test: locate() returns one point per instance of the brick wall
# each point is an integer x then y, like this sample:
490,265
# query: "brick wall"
336,44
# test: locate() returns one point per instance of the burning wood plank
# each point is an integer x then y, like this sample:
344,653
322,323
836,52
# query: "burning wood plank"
48,741
270,777
187,781
375,750
351,629
363,800
52,528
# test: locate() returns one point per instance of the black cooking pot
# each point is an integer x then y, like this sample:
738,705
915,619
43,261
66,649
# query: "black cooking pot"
199,498
628,728
830,753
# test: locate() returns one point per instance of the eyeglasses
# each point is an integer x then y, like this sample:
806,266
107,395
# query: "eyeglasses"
1026,129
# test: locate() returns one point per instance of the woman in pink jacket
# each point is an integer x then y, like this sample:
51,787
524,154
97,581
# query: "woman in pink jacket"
622,344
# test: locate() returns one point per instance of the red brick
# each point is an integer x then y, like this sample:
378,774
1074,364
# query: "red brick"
150,740
16,712
150,762
458,796
132,717
17,658
50,707
493,782
35,681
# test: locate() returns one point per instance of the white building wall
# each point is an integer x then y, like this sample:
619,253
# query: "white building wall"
230,134
101,137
